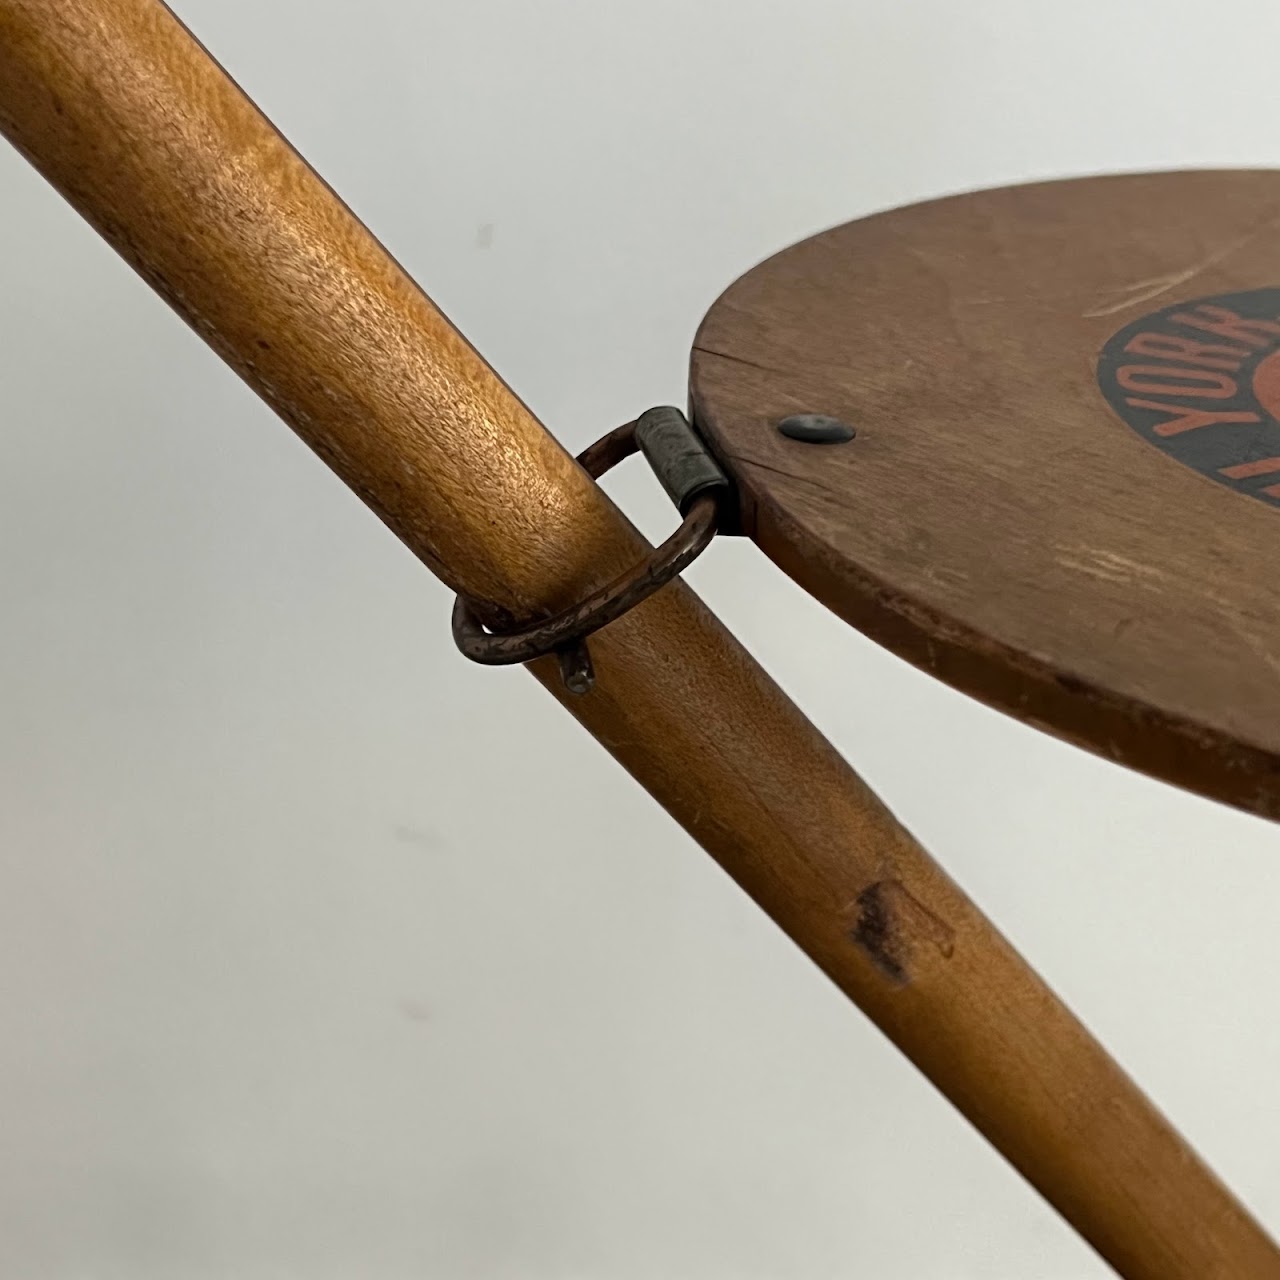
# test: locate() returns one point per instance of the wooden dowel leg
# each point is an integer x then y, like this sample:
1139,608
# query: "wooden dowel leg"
129,118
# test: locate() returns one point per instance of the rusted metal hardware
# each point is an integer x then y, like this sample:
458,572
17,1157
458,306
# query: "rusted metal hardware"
694,482
816,428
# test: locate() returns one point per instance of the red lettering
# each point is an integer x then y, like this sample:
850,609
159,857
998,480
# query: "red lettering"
1198,384
1208,355
1245,470
1226,324
1183,418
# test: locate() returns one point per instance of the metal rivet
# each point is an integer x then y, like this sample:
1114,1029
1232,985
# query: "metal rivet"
816,428
575,667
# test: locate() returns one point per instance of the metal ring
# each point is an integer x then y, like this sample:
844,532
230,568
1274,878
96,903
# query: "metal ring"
564,632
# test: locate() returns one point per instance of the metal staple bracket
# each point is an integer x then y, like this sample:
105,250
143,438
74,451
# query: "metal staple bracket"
694,482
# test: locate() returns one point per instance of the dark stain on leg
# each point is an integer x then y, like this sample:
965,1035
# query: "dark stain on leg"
874,932
892,926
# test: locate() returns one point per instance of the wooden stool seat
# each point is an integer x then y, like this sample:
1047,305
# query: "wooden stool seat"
1063,492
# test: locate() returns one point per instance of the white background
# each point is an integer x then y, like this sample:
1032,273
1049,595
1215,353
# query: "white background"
326,955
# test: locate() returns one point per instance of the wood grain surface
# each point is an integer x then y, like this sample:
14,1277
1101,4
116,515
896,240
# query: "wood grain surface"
997,520
124,112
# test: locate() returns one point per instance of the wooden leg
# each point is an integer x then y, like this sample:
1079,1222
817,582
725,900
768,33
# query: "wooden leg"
126,115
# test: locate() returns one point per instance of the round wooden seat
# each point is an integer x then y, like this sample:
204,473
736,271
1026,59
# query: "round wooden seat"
1063,492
